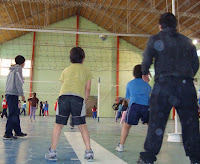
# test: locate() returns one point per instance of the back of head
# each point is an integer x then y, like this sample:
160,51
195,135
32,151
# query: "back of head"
19,59
77,55
137,71
167,20
120,102
125,103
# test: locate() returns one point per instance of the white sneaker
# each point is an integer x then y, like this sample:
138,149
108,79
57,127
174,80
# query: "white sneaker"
120,147
89,155
51,155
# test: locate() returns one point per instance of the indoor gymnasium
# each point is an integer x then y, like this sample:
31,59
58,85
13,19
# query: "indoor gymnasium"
46,45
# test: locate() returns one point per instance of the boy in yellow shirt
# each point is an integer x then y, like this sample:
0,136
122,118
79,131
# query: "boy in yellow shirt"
76,84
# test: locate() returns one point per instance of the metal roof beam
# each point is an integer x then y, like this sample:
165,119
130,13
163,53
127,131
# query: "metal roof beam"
31,11
85,8
144,16
98,11
111,14
3,4
91,11
23,12
104,12
179,7
82,3
22,23
122,12
16,14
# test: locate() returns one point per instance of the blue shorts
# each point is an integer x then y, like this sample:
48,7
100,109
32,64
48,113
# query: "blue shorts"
137,112
69,104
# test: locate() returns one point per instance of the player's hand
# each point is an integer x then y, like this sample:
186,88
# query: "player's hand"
146,77
23,98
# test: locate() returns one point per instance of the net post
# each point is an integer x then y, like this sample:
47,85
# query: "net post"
98,99
117,75
31,73
77,28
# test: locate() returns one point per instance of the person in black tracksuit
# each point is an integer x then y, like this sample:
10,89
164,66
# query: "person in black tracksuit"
176,63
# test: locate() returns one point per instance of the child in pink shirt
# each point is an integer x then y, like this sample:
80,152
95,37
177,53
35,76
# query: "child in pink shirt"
124,111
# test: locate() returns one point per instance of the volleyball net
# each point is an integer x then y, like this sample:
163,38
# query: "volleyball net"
51,56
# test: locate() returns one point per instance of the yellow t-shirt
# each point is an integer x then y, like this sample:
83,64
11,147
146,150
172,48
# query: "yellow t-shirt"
74,79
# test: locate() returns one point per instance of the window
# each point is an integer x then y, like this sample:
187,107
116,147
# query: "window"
6,63
26,69
198,52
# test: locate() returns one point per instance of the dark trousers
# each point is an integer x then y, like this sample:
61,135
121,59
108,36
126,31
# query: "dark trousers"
180,93
118,115
4,113
13,121
40,111
94,115
23,110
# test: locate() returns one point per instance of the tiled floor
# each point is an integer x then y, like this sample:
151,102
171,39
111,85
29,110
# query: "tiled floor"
106,133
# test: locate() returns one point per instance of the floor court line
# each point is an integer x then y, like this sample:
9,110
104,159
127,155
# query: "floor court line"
101,155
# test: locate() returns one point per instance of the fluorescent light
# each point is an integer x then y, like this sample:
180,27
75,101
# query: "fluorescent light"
198,52
195,41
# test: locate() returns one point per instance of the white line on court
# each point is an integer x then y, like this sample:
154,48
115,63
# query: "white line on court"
101,155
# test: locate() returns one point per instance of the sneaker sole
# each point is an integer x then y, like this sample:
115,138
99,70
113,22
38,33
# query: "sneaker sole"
50,159
10,138
21,136
90,160
7,138
119,150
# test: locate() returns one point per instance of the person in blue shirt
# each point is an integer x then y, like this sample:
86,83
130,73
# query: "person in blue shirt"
137,92
46,109
24,108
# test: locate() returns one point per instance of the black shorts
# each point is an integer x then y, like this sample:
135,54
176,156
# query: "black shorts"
136,112
69,104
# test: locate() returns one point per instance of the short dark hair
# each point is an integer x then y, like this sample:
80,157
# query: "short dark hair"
137,71
77,55
19,59
167,20
120,101
24,101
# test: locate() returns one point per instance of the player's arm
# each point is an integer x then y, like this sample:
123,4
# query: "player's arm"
87,89
195,60
127,93
148,56
19,84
